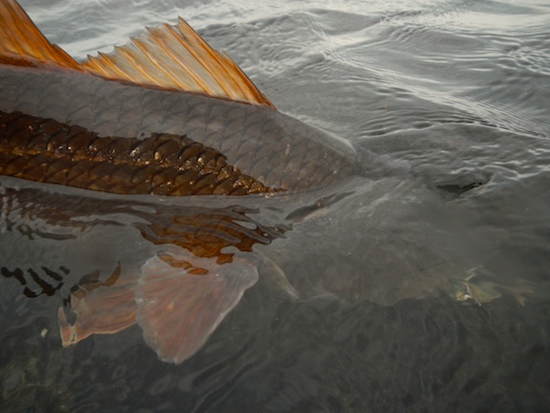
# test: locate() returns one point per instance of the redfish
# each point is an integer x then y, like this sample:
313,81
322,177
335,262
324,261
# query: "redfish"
165,115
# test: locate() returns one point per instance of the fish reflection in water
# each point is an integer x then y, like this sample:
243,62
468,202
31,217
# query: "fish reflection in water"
119,249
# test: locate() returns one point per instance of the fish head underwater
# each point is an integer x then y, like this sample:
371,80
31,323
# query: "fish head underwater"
119,179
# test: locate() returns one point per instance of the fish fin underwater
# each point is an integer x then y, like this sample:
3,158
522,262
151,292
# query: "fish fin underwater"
181,299
169,57
188,269
178,301
99,307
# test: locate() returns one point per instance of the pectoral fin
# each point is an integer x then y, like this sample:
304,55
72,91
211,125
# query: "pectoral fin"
482,287
181,300
100,308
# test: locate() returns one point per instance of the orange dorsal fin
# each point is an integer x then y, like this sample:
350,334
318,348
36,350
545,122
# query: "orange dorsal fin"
21,43
176,57
169,57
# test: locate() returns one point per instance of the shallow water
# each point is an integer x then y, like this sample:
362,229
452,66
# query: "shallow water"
452,98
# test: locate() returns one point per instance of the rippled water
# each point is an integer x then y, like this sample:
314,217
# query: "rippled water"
452,97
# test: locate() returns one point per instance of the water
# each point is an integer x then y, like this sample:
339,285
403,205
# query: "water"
453,98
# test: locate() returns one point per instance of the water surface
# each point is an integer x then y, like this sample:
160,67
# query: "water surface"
452,100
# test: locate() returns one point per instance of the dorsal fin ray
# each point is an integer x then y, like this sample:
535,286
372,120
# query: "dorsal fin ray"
21,42
176,57
169,57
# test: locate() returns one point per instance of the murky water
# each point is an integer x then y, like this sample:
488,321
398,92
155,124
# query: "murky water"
451,99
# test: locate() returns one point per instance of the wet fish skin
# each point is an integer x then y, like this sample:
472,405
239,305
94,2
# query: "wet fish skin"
74,124
191,91
44,150
276,150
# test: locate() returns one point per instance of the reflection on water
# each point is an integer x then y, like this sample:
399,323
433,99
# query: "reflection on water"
453,97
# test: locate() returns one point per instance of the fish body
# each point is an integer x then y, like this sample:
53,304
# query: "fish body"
274,150
98,160
165,115
233,141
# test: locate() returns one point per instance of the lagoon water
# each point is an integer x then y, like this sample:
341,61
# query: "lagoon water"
449,103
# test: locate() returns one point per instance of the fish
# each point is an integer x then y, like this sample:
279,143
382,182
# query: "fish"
154,184
163,116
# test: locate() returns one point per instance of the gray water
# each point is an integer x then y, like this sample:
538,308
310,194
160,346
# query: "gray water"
451,98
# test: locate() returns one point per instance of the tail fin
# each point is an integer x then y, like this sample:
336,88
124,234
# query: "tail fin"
22,44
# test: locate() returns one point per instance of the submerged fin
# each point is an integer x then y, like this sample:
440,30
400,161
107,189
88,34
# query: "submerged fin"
21,43
276,278
480,288
100,308
168,57
181,300
487,291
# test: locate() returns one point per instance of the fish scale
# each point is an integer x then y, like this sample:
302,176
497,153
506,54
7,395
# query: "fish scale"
191,124
45,150
247,136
